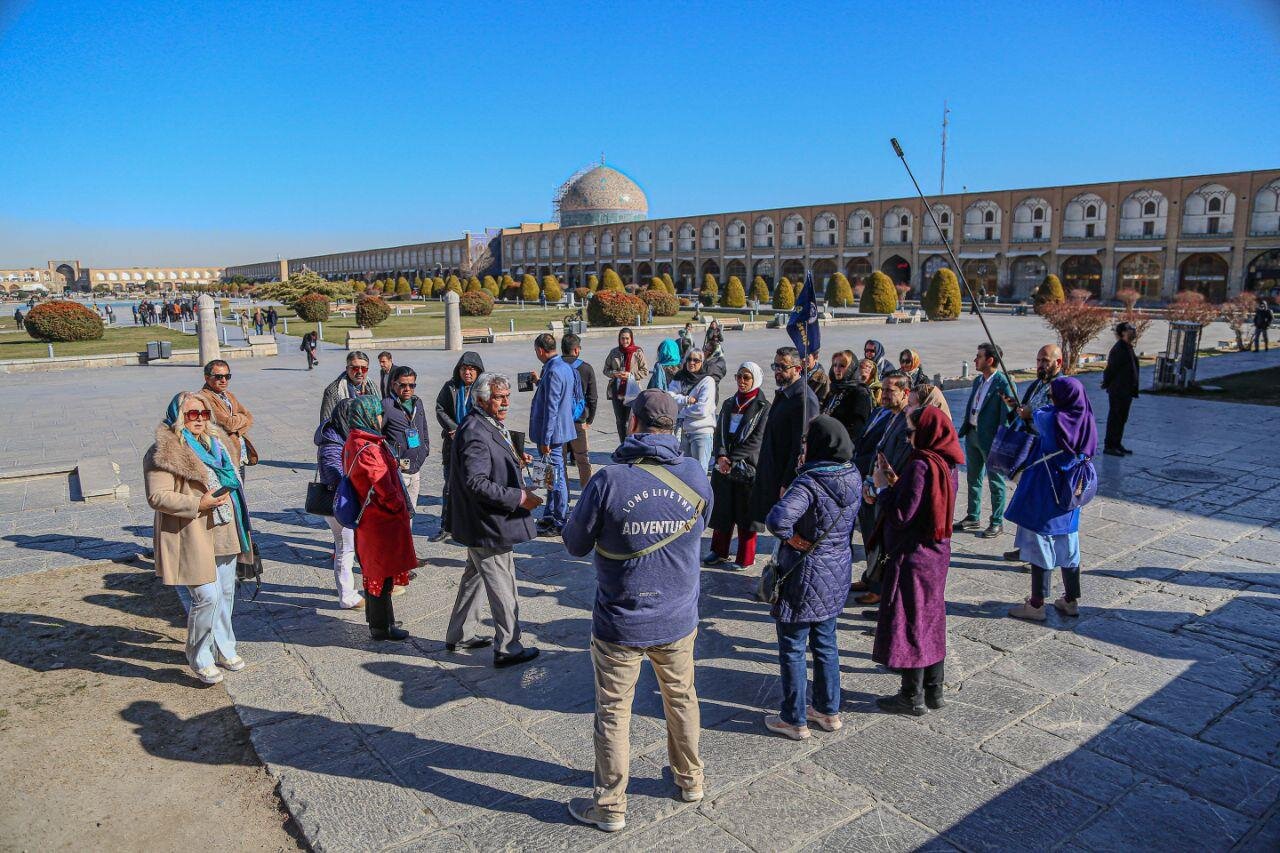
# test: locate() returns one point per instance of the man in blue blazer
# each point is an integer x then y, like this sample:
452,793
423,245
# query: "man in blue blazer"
551,425
985,412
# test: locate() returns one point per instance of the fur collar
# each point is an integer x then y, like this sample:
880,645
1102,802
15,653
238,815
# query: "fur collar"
171,453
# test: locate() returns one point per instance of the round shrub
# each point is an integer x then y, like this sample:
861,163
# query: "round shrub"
839,291
662,303
403,290
1049,291
710,292
529,291
593,283
473,285
760,290
551,287
582,293
671,285
510,287
312,308
612,282
880,296
685,302
453,283
611,308
475,303
942,299
784,295
734,294
371,310
63,321
490,286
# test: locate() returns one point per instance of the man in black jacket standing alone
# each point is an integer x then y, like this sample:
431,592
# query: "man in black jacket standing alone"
794,404
1120,381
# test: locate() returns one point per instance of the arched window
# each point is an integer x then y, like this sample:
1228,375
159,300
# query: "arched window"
989,216
711,236
606,243
624,241
1149,209
793,232
645,240
859,230
1091,212
589,245
664,238
736,234
824,230
557,246
1215,205
1209,210
763,233
685,238
575,244
1031,220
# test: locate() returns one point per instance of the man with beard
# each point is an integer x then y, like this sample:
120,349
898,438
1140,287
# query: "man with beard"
794,405
1048,368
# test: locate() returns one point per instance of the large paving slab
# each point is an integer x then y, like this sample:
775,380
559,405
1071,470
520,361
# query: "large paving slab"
1147,722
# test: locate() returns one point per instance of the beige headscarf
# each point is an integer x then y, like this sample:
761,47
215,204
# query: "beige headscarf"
935,398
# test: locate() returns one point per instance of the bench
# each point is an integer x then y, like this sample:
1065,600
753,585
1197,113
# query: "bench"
477,336
732,325
913,316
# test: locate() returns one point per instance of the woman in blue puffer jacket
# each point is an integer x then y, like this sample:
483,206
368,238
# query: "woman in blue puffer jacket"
815,520
330,436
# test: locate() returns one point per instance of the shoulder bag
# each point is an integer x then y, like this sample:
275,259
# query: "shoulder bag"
250,570
769,587
661,472
319,497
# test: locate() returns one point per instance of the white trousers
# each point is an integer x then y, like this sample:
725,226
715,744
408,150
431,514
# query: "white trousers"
344,558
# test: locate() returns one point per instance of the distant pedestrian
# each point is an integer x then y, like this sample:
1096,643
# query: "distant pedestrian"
571,353
310,343
134,307
1120,381
814,519
736,443
386,367
643,516
695,396
1262,319
19,319
259,320
273,317
685,340
454,403
490,514
244,325
915,535
201,529
384,538
624,365
985,412
1048,537
551,427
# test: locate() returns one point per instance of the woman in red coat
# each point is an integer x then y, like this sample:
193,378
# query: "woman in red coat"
384,539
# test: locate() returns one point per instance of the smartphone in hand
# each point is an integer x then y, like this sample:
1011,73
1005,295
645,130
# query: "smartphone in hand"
222,491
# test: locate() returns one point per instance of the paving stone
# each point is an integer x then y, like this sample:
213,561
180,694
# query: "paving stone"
1052,665
880,830
686,830
775,807
1242,621
267,690
1206,587
1160,817
1061,762
1158,609
1075,719
1199,768
1252,728
1159,697
570,737
983,705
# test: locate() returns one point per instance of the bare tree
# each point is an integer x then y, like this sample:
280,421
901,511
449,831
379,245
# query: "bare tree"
1077,323
1238,313
1192,307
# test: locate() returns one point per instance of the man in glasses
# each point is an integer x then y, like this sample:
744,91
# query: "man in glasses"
228,412
354,382
794,404
404,423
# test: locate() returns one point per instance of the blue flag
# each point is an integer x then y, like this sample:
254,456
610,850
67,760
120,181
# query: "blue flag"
803,325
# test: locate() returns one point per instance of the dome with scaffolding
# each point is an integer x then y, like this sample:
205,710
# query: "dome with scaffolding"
598,195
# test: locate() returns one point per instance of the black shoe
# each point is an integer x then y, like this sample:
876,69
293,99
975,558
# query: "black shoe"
473,643
933,699
899,704
413,576
967,523
549,531
1014,556
993,530
1112,451
714,560
524,656
1126,451
440,536
392,633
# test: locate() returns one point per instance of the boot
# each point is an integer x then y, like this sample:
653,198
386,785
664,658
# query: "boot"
381,615
909,700
933,687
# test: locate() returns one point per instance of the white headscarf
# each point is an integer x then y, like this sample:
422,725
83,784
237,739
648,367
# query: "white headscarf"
757,375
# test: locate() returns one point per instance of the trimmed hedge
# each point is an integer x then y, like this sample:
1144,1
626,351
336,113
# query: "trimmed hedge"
611,308
62,321
313,308
710,293
839,291
473,285
551,287
475,303
662,303
611,282
879,296
671,285
1049,291
593,283
371,310
734,294
784,295
490,285
942,299
529,291
453,283
760,290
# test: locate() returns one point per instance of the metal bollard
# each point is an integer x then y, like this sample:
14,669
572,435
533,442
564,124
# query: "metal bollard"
512,321
50,350
285,320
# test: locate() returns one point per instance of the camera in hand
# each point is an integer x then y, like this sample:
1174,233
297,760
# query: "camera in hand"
524,381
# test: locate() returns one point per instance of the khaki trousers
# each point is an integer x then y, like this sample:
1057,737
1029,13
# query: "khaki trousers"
581,454
617,668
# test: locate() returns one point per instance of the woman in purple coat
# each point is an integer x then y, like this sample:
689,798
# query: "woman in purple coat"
915,526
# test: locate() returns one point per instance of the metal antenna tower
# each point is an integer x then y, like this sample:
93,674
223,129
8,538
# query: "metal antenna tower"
942,179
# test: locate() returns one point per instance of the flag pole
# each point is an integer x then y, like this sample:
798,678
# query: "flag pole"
928,209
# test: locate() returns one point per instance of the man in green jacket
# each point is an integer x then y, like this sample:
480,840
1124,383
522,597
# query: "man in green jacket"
985,412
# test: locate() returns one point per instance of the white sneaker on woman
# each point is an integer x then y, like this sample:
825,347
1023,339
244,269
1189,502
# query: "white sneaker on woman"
775,723
826,722
234,664
209,674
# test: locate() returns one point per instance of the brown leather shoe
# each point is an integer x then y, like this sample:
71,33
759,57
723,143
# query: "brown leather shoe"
869,598
859,586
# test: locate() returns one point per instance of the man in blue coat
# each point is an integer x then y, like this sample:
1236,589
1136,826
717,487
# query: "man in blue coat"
551,426
644,516
985,413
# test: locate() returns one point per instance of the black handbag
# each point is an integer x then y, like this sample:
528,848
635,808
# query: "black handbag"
319,498
742,471
250,570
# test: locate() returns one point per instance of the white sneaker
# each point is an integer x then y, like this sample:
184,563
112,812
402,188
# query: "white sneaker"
776,724
1026,611
584,810
691,795
209,675
826,722
1067,608
234,664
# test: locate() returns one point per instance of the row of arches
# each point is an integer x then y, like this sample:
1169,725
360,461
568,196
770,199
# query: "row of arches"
383,260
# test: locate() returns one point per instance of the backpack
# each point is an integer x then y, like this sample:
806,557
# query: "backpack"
1075,486
348,508
579,396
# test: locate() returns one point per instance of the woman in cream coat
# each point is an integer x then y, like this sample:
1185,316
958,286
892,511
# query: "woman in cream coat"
198,534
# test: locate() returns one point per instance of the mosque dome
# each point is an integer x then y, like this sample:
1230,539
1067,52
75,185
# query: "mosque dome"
600,195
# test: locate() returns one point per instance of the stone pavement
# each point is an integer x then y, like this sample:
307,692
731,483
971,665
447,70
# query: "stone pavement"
1150,721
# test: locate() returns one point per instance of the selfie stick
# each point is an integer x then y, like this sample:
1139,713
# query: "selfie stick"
955,263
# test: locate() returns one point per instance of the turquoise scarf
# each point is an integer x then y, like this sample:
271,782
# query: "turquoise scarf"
217,458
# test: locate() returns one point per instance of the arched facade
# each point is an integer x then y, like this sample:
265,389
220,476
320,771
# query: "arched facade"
1141,272
982,275
1025,275
860,228
624,241
1207,273
644,240
1032,219
738,268
857,270
1211,209
897,268
1144,214
1263,274
794,270
664,238
735,235
823,270
684,277
793,232
710,268
711,236
1085,218
1082,272
764,269
931,265
1266,211
685,238
762,232
826,229
931,235
897,225
982,221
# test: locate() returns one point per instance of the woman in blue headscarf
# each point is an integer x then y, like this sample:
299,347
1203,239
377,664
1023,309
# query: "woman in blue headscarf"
1048,537
201,529
668,364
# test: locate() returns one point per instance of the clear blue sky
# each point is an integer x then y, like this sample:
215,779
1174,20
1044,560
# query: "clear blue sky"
225,132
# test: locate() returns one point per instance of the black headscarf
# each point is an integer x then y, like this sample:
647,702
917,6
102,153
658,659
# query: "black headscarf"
828,441
342,416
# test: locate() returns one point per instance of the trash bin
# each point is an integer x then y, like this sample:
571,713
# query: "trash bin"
153,350
166,349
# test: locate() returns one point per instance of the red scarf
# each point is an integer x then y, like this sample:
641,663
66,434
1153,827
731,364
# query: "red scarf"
743,400
627,352
937,445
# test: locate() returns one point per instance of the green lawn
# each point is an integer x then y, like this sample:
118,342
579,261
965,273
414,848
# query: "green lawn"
1260,387
125,339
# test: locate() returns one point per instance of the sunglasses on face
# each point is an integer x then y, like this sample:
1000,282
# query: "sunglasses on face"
197,414
744,377
220,377
780,368
354,369
410,385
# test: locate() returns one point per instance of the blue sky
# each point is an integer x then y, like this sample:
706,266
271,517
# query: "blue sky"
227,132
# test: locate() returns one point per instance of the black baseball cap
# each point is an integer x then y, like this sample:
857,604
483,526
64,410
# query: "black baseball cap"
655,408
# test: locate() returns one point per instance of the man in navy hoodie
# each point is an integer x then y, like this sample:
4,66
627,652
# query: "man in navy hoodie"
644,516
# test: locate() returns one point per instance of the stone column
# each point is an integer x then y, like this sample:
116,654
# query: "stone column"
452,322
207,329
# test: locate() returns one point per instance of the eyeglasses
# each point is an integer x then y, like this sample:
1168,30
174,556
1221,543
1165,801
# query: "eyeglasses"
219,377
409,385
197,414
781,367
744,377
353,369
